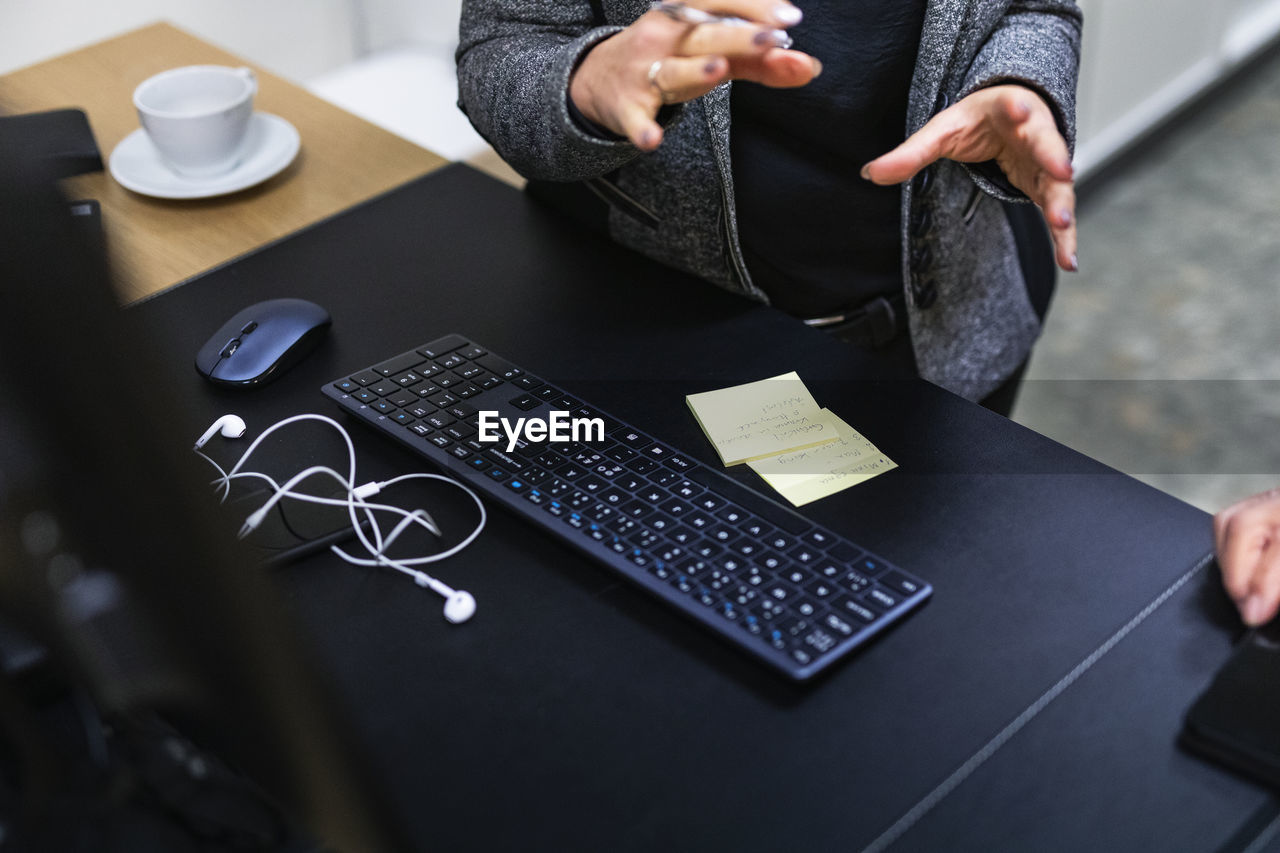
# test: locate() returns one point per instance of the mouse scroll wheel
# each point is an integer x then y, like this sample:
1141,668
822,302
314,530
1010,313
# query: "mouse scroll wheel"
232,346
249,327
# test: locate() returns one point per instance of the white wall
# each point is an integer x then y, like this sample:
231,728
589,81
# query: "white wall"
295,38
1143,59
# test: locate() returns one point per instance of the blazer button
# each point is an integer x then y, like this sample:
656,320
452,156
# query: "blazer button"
924,294
921,258
921,221
944,101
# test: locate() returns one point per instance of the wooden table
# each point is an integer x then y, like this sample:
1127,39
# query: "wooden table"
155,242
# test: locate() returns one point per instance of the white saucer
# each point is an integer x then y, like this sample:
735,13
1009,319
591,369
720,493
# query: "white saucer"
271,145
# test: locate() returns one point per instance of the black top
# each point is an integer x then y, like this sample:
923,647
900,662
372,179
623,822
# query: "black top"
816,236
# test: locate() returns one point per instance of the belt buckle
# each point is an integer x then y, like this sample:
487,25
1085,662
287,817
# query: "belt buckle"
872,324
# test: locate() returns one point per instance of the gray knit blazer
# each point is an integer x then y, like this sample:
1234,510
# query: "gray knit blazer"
971,322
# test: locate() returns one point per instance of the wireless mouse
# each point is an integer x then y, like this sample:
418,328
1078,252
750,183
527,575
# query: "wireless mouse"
261,342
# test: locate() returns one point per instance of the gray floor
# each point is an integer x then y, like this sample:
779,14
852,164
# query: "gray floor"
1161,357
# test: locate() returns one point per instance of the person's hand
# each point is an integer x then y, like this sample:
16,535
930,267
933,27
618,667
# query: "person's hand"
1247,538
1012,125
624,80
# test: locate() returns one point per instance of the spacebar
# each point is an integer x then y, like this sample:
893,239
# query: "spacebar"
749,500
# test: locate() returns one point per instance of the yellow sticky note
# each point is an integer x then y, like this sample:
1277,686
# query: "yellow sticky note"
805,475
761,418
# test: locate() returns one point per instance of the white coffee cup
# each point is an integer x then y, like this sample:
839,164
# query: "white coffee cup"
197,116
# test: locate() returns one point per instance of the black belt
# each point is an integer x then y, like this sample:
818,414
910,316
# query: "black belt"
871,325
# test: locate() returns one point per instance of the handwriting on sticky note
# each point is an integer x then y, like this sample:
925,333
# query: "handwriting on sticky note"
805,475
761,418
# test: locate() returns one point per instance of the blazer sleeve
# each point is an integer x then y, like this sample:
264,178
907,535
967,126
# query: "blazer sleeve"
515,58
1036,44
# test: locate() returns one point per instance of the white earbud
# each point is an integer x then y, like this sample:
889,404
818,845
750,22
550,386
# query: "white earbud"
459,605
231,426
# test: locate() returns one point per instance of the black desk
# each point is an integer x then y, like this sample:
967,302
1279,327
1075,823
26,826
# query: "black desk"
1032,704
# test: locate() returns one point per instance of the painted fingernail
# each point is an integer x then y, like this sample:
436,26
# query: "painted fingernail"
817,66
772,38
1064,218
712,68
1254,611
1075,264
866,172
787,15
649,138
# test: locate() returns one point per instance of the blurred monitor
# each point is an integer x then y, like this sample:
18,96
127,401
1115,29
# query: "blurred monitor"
152,690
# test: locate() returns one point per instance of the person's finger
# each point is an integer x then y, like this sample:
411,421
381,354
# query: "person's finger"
1263,600
637,124
1031,126
729,40
1221,521
1058,204
1236,562
922,148
1245,539
779,69
683,78
777,13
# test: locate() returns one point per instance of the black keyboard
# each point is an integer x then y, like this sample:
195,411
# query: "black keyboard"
790,593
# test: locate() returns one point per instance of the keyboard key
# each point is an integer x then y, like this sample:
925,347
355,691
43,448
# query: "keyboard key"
450,361
444,400
881,598
500,366
679,463
664,477
439,347
525,402
659,452
633,439
399,364
804,554
869,565
857,610
642,466
843,552
459,431
438,419
896,580
780,541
